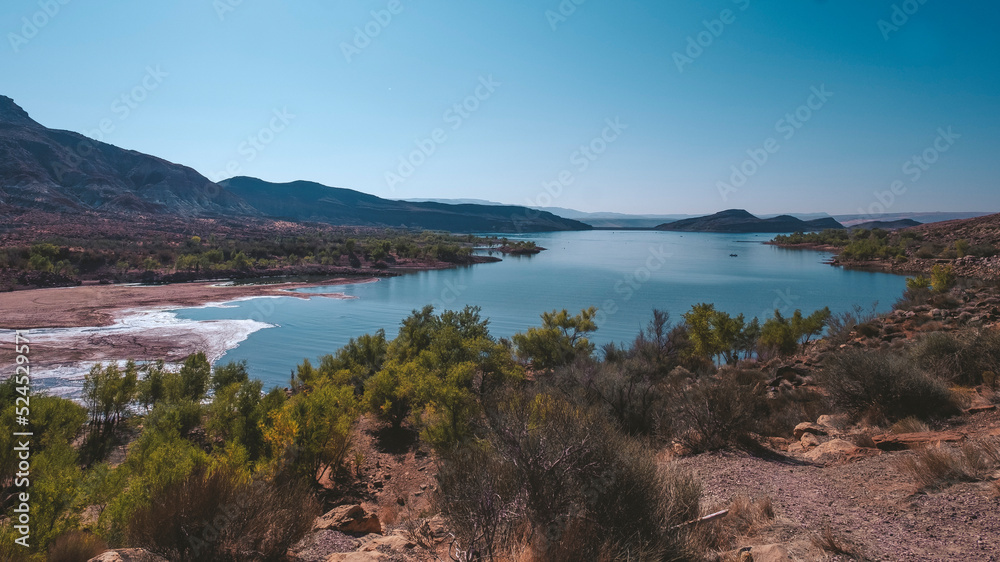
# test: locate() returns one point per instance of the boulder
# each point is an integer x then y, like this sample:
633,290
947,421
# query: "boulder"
350,519
809,440
128,555
832,451
807,427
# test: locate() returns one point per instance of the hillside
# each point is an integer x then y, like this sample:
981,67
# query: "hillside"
62,171
738,220
309,201
886,225
48,170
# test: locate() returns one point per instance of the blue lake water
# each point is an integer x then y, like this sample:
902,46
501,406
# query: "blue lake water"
624,273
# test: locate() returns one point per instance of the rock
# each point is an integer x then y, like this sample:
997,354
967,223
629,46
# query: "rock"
832,422
128,555
903,441
770,553
391,543
350,519
436,528
832,451
807,427
809,440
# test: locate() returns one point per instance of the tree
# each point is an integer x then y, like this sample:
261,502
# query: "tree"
716,334
560,339
777,335
194,374
813,325
943,278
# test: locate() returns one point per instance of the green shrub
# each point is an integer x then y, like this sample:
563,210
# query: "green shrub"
884,387
943,278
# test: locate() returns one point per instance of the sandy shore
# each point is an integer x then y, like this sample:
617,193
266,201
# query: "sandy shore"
71,329
100,305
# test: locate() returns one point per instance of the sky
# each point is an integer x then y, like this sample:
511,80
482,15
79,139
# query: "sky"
847,106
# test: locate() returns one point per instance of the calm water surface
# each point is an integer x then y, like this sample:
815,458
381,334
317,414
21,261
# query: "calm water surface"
625,274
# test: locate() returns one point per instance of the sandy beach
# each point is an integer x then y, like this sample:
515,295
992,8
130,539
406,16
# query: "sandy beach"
70,329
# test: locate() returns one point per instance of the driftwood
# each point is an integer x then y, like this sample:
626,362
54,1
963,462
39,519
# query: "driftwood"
705,519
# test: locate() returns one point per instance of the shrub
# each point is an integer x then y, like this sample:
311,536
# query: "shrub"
586,491
938,466
884,386
962,358
216,517
75,546
918,282
943,278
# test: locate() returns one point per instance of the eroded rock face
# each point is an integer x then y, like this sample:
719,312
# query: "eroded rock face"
350,519
128,555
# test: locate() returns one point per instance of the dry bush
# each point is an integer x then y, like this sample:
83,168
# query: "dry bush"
884,386
75,546
830,543
962,358
840,326
938,467
747,518
216,517
909,425
566,482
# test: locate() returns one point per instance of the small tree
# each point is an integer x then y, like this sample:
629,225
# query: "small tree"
561,339
943,278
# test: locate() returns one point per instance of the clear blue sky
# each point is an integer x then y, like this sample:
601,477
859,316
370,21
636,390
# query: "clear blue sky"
559,81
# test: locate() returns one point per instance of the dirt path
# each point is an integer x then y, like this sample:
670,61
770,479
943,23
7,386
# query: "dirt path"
867,503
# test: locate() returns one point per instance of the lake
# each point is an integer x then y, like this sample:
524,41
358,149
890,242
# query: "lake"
624,273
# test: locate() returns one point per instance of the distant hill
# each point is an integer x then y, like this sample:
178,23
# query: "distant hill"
738,220
922,217
886,225
61,171
308,201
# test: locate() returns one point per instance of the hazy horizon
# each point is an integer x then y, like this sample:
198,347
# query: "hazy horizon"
823,107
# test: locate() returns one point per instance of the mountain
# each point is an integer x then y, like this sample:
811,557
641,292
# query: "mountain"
308,201
57,171
63,171
738,220
886,225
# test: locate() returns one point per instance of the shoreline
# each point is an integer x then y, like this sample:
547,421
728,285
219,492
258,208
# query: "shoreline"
93,324
95,306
